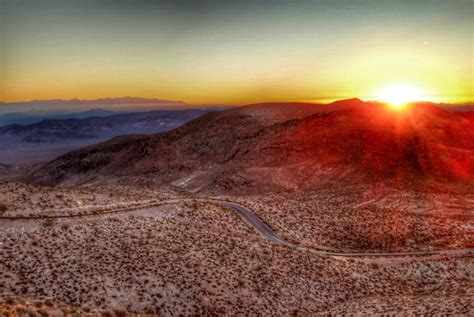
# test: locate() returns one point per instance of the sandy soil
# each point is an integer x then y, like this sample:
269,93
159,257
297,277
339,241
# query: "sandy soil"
29,200
201,259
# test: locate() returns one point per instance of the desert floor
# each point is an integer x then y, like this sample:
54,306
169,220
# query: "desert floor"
197,258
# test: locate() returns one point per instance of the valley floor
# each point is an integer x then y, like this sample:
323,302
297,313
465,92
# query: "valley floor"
196,258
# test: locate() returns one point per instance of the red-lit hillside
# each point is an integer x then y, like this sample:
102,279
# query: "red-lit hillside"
283,146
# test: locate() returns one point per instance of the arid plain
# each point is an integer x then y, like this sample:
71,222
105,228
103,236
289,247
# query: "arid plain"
198,258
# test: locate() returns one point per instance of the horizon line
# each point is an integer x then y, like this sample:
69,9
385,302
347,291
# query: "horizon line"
324,100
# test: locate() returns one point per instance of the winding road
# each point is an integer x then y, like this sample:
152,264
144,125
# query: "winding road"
260,227
267,233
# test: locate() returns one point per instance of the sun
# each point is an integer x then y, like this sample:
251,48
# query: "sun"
399,94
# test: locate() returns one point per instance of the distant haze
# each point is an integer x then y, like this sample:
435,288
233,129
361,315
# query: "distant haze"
124,104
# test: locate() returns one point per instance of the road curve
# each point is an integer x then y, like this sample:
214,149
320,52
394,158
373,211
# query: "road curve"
267,233
260,227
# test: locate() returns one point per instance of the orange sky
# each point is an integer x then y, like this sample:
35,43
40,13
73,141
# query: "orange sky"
234,53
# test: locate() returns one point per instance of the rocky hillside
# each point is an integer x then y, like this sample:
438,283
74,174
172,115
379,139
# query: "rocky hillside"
282,147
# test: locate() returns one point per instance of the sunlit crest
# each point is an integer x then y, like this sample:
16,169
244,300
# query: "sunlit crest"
399,94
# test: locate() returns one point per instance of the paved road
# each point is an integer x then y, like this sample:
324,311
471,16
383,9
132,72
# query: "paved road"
248,216
264,230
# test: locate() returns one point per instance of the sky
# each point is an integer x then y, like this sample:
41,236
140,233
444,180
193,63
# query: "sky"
234,52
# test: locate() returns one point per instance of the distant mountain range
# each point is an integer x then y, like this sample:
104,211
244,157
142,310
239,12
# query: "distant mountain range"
37,110
282,147
76,105
30,117
58,135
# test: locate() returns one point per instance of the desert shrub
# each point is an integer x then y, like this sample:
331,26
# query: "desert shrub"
3,208
49,302
150,310
38,304
107,313
374,266
120,313
10,300
48,222
194,206
24,311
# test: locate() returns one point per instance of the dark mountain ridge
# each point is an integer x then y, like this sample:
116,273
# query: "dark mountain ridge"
96,127
45,140
31,117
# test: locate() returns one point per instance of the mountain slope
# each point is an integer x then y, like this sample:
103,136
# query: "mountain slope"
282,147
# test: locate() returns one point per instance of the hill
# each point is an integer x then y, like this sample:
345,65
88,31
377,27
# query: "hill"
282,146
